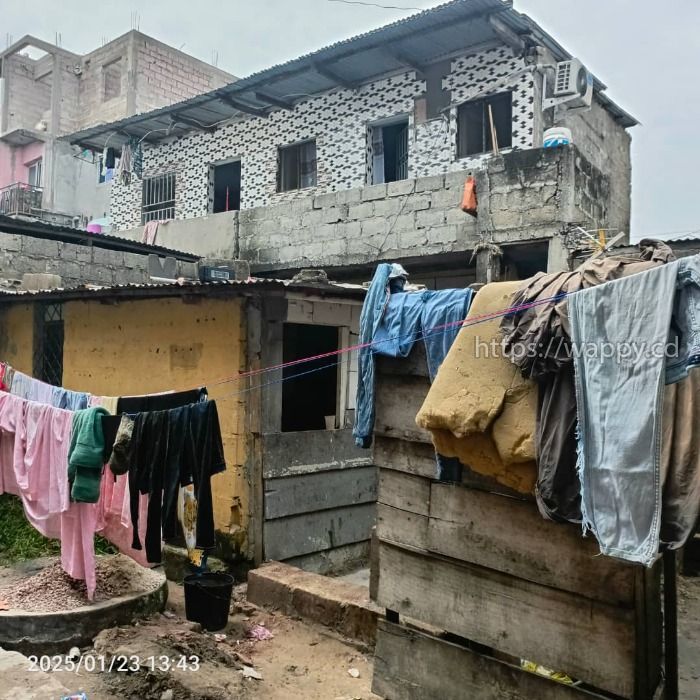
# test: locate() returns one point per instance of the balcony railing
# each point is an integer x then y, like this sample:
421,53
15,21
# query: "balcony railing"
20,198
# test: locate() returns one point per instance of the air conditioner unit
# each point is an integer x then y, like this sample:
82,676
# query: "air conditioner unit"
572,88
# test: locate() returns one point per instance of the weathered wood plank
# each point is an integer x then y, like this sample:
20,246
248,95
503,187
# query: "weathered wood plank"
347,557
404,491
415,364
398,400
291,454
402,526
410,457
590,640
419,458
307,493
512,537
411,665
649,627
315,532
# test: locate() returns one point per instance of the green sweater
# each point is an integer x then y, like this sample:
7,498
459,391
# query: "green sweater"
86,454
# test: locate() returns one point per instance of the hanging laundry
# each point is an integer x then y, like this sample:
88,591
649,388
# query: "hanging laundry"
35,390
537,340
34,443
136,156
169,449
119,459
625,398
85,457
109,159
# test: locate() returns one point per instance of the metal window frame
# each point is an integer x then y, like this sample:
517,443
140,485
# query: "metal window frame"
158,197
296,149
48,342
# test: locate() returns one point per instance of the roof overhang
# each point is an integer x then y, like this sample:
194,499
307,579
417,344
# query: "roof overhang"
420,40
22,137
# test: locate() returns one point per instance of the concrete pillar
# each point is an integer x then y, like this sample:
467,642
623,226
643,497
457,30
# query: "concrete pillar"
557,255
489,263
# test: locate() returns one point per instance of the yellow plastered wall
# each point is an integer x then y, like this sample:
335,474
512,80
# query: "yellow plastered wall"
151,345
17,336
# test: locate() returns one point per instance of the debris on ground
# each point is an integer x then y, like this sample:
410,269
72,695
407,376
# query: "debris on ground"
52,589
249,672
354,673
259,633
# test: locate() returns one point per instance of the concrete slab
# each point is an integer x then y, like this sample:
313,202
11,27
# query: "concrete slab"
357,578
343,606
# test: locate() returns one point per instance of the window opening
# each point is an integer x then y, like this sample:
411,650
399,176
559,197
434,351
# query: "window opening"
35,173
48,343
308,399
297,166
389,148
227,187
474,128
158,198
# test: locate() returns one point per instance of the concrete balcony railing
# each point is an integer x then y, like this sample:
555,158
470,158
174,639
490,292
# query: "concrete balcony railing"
523,196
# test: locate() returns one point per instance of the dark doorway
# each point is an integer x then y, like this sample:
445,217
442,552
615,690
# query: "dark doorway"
312,395
395,139
227,187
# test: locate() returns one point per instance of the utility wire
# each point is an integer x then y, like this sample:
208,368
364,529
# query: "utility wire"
374,4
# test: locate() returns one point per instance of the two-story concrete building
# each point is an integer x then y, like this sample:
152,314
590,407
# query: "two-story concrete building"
359,152
47,91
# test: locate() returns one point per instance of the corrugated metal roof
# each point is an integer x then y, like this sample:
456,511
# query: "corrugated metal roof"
682,237
66,234
417,40
165,289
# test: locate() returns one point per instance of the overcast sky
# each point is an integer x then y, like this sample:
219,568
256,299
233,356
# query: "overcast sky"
648,58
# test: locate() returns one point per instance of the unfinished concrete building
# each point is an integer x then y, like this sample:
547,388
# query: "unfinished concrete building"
358,152
47,91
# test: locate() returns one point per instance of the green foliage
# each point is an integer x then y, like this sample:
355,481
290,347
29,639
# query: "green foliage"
20,541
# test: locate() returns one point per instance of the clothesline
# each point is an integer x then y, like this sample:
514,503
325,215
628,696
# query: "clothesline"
433,331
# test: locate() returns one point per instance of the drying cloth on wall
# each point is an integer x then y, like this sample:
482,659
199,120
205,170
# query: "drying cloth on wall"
373,309
410,316
479,409
621,398
537,341
150,232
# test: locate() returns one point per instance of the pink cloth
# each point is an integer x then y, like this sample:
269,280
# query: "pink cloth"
34,443
114,516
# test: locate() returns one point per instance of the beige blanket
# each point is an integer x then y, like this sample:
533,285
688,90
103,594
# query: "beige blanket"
479,408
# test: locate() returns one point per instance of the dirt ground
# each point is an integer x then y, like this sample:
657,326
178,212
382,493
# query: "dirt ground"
302,660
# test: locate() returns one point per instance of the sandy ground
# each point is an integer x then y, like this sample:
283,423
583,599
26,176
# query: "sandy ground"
302,661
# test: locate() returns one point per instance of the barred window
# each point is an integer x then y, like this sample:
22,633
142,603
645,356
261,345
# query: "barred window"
158,198
48,343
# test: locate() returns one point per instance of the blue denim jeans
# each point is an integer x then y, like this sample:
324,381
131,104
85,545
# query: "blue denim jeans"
620,332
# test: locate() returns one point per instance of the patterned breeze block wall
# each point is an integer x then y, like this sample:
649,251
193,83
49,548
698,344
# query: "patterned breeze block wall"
339,121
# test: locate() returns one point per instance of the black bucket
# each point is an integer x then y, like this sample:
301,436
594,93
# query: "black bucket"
208,599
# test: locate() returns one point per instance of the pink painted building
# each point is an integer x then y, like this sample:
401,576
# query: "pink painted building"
47,92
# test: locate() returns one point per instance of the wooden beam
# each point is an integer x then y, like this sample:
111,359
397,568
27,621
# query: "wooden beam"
333,76
403,59
273,100
506,34
242,106
413,665
191,122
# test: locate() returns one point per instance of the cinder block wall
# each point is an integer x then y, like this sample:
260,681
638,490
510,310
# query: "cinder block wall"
76,264
523,195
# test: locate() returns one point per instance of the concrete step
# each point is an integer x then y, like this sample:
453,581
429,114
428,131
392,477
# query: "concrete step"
344,607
